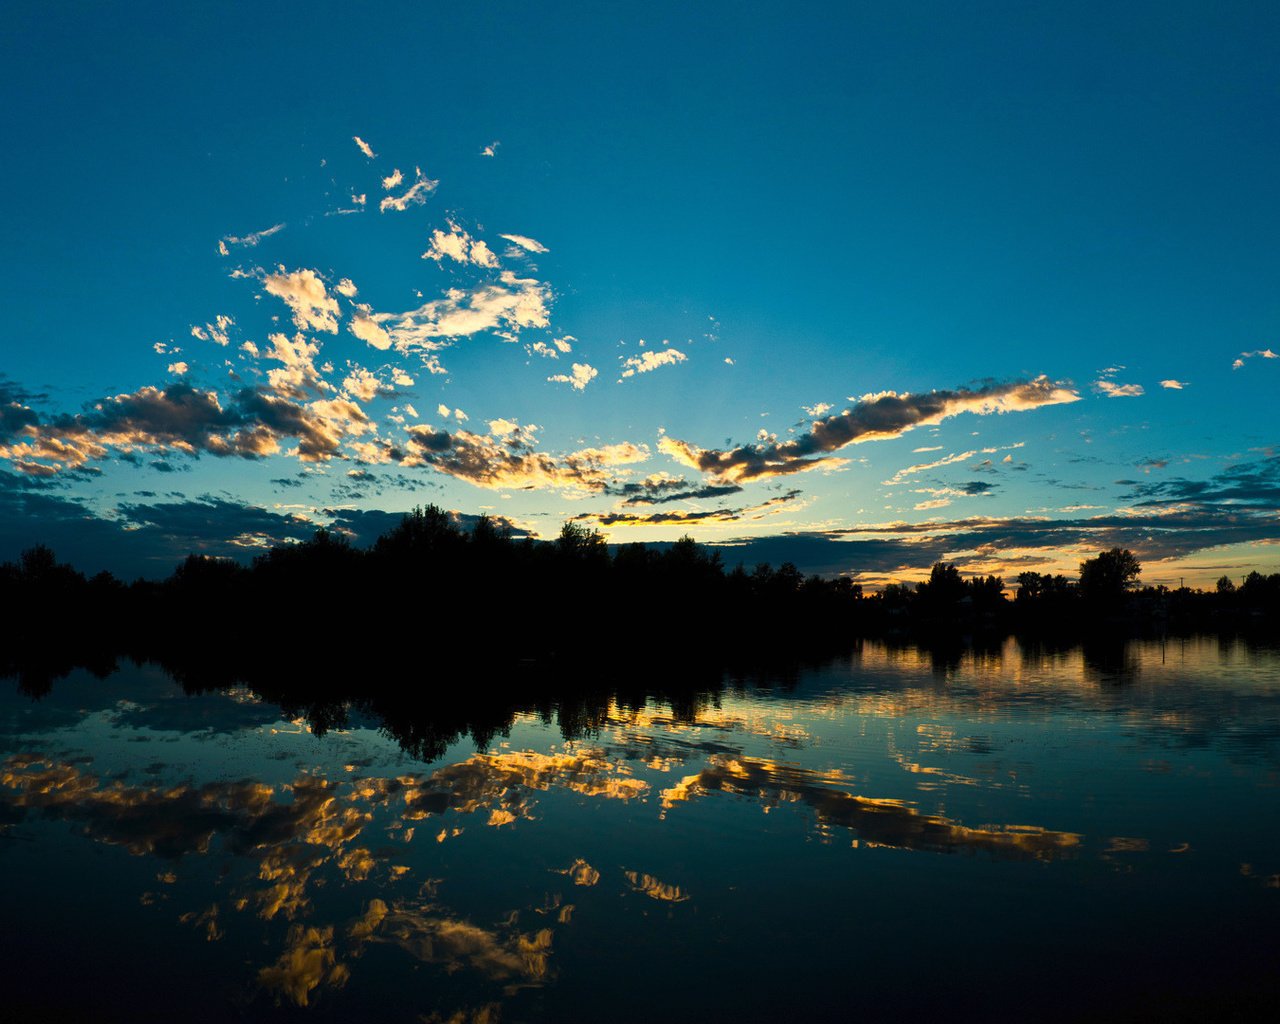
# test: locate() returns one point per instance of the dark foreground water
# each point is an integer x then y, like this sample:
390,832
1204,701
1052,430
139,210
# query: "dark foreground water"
895,836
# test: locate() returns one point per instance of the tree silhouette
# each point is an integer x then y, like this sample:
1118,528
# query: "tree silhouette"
1105,580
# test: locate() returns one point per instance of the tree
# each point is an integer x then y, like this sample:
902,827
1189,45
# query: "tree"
1106,579
1226,585
1030,586
943,589
578,541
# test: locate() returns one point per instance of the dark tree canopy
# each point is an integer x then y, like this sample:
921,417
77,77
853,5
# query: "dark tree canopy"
1108,577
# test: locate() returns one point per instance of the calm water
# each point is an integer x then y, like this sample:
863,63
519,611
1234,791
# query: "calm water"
893,836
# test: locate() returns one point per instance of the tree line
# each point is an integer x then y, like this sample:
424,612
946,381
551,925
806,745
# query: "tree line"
430,592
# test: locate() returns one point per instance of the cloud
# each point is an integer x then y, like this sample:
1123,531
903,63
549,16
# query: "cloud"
303,291
506,305
297,375
924,467
660,488
818,409
216,332
249,240
365,148
1171,519
506,458
581,376
457,245
647,362
179,368
690,517
365,327
211,524
491,149
346,288
1255,484
1113,390
1261,353
874,417
364,385
1174,385
181,418
392,180
528,244
139,540
416,194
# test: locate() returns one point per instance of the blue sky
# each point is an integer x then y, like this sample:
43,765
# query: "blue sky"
1021,222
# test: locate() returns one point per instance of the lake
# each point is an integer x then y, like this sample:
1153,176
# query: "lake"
898,834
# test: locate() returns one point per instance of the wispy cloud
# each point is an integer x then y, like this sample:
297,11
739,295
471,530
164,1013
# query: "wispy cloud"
216,332
874,417
1113,390
1175,385
694,517
506,305
647,362
529,244
415,195
1261,353
491,149
364,147
248,240
948,460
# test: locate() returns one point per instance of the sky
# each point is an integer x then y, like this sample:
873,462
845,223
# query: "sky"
859,286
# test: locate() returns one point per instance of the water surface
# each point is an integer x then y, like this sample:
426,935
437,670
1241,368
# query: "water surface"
900,833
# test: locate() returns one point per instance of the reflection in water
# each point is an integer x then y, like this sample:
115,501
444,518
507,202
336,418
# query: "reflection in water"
331,868
876,821
654,889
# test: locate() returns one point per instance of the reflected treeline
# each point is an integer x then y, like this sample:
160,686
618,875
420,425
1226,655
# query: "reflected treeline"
440,633
428,712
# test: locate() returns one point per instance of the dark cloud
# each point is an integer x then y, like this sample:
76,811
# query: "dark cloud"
211,525
14,414
177,418
875,417
639,494
140,539
1254,483
507,458
679,518
364,483
1162,532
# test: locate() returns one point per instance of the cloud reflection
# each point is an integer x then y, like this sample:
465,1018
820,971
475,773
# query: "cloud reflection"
876,821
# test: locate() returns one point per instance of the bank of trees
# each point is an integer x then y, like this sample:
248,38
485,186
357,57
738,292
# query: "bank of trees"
429,591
